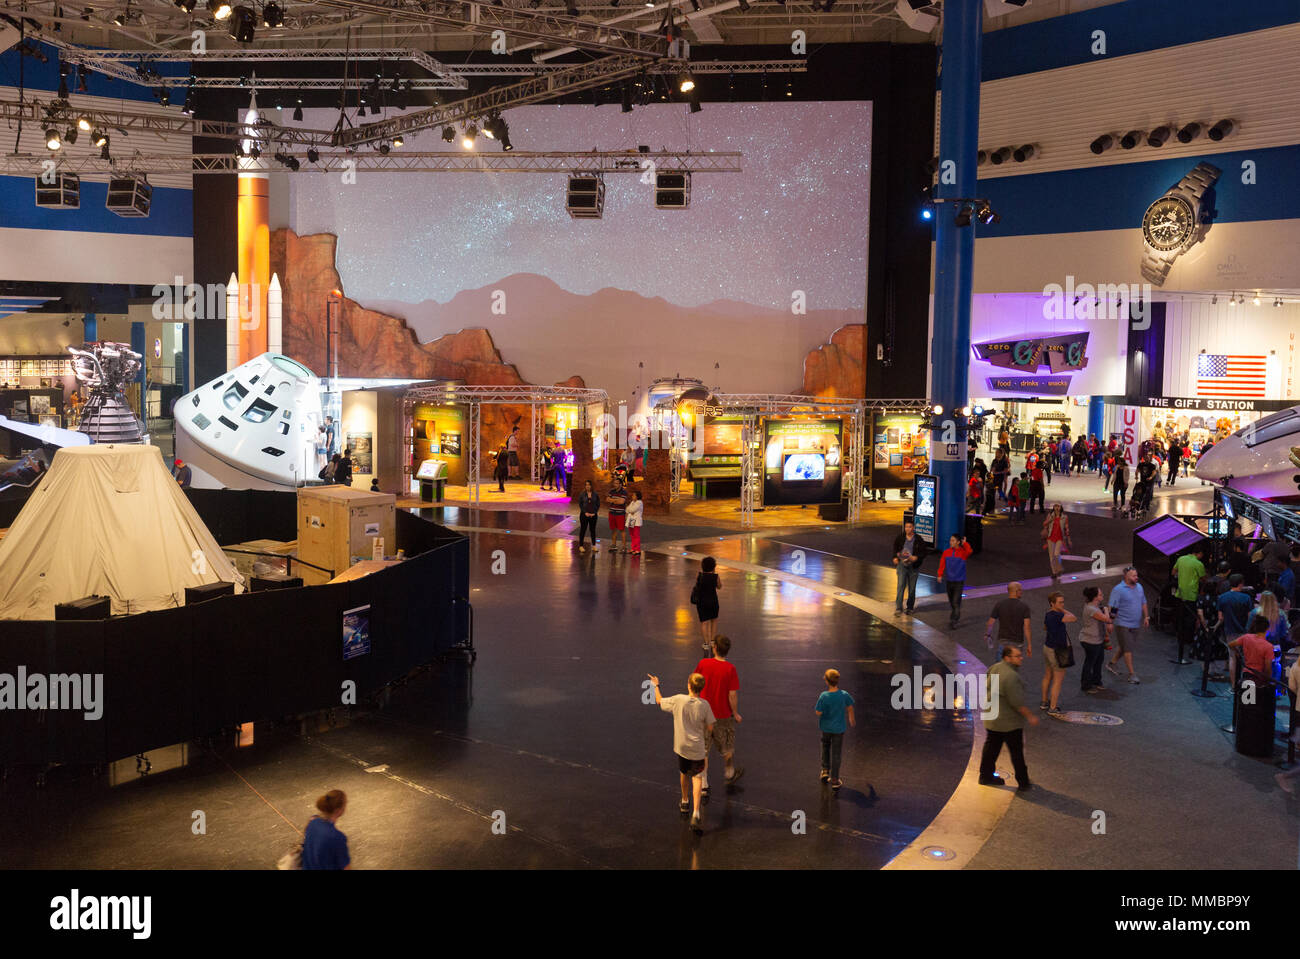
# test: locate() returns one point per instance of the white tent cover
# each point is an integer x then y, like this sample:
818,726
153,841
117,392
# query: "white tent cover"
109,521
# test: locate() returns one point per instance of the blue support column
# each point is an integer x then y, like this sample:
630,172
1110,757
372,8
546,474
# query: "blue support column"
954,256
91,328
1097,418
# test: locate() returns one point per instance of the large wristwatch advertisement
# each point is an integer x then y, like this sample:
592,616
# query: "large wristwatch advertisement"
1173,223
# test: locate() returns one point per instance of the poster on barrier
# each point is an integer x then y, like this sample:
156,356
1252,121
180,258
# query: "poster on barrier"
356,632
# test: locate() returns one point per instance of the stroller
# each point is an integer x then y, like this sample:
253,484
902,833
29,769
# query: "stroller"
1140,503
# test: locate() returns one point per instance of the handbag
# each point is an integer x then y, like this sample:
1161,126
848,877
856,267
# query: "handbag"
291,859
1065,655
695,591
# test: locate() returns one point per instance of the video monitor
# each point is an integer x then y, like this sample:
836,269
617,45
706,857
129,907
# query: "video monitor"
804,467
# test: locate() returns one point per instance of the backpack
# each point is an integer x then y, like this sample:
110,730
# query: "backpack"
327,471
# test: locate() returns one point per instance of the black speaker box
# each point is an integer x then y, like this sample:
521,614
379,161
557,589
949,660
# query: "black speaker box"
88,607
837,512
199,594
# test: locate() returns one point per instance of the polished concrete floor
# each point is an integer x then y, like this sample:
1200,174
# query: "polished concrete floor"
548,732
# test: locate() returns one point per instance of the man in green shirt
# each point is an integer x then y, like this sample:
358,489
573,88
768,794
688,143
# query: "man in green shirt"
1005,719
1189,571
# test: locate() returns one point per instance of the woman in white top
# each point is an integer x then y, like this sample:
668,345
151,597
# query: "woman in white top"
634,511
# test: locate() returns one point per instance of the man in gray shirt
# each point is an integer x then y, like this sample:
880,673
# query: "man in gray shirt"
692,725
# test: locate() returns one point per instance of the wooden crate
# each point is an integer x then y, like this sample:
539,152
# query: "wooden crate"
337,526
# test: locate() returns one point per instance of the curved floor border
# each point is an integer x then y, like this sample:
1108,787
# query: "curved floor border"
972,812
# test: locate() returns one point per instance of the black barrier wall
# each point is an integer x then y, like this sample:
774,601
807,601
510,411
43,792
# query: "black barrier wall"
181,674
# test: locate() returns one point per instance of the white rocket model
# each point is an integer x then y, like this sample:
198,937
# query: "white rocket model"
274,316
232,322
255,427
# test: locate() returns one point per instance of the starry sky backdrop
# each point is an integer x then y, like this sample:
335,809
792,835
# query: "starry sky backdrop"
796,218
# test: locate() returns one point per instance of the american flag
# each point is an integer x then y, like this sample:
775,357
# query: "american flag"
1219,375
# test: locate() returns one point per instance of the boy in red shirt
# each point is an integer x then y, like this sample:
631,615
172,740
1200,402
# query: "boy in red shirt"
721,688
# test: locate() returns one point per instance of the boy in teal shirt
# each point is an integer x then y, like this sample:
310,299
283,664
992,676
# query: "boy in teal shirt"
834,706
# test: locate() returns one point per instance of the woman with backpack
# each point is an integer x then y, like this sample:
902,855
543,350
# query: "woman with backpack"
705,598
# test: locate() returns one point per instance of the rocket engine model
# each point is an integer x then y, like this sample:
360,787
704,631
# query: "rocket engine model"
106,368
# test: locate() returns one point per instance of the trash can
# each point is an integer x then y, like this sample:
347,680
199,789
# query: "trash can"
1255,721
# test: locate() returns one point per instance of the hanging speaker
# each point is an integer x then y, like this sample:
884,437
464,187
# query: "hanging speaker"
585,199
672,191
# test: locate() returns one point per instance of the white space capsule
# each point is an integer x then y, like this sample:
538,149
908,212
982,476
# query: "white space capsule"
256,427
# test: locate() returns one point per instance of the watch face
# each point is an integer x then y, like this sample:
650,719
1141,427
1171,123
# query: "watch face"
1168,224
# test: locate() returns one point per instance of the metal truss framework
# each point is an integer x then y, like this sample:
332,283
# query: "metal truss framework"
530,24
754,407
626,161
537,398
37,111
458,26
455,81
573,79
125,64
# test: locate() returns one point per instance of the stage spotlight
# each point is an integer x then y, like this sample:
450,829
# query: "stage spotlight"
52,139
1158,136
744,6
1256,300
685,82
398,141
313,155
272,15
1000,156
467,141
1221,130
99,138
71,136
297,111
937,410
1131,139
241,25
1025,152
103,150
1277,302
83,123
962,219
122,17
186,5
927,213
571,8
384,147
984,213
1102,144
220,9
1189,133
695,5
448,134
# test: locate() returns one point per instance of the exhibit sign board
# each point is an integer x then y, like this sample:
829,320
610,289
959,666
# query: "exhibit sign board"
925,494
900,449
802,461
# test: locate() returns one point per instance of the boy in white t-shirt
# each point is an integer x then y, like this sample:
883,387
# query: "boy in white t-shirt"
692,725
